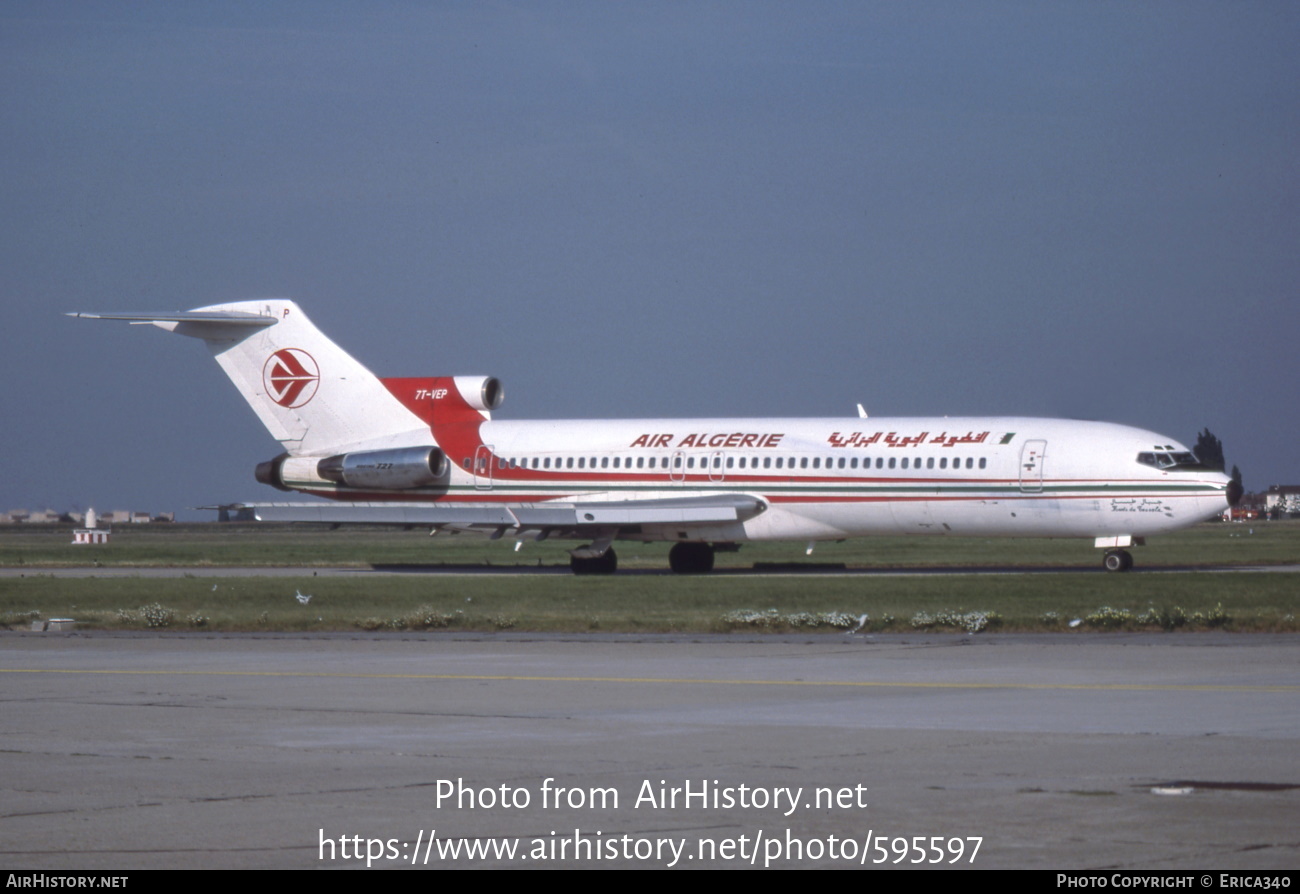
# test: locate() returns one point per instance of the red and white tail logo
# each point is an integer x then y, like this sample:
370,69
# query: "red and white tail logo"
291,377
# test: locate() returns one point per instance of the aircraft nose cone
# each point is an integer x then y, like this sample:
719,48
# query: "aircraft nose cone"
1234,492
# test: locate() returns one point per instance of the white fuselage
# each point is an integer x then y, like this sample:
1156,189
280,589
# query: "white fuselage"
826,479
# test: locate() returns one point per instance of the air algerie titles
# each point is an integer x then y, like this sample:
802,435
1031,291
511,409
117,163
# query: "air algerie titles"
704,439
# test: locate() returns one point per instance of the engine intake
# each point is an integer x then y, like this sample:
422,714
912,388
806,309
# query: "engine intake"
480,392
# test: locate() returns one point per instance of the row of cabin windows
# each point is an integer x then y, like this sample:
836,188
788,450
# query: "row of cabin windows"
718,462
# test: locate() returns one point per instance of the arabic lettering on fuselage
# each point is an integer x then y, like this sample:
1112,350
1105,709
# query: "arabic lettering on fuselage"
894,439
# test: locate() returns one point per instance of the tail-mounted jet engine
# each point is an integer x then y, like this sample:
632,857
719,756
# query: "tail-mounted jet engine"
480,392
397,469
386,469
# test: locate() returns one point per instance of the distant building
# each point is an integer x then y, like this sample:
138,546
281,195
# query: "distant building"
89,536
92,534
39,517
50,517
1283,498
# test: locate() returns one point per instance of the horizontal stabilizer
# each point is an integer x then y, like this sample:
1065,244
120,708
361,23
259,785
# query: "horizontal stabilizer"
224,317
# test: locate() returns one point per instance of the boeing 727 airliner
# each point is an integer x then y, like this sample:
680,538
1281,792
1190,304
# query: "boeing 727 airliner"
425,451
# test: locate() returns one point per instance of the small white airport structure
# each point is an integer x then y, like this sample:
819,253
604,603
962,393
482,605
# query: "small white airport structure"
91,533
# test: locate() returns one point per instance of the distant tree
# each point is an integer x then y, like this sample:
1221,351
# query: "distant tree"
1209,450
1236,475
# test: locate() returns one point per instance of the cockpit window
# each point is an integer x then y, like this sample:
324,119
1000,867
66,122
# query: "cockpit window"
1182,460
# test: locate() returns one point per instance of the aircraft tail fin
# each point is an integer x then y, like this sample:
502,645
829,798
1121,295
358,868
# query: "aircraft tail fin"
312,396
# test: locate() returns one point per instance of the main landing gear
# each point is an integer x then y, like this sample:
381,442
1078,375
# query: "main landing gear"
1118,560
691,558
605,563
683,558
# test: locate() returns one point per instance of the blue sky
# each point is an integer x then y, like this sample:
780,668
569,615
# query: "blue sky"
1086,210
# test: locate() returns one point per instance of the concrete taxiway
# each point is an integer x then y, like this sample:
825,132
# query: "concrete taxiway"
810,572
1054,751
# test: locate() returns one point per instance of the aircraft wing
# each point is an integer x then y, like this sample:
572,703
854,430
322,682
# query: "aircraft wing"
593,516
